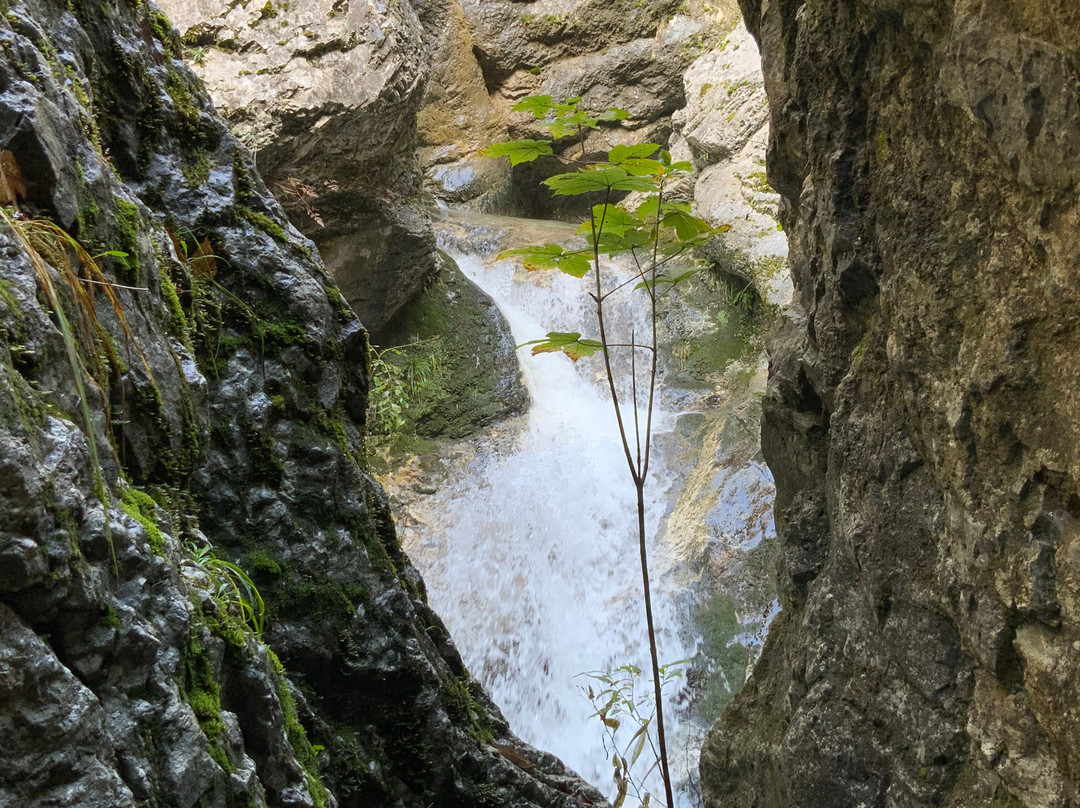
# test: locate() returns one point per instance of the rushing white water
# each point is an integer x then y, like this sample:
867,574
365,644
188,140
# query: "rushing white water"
534,561
527,537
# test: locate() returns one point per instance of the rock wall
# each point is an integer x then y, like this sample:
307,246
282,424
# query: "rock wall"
923,416
723,131
488,55
212,415
325,93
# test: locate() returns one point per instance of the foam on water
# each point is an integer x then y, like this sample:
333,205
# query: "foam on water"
536,569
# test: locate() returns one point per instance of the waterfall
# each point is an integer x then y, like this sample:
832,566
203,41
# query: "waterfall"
530,548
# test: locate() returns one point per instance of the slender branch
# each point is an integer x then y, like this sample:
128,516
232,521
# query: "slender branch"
652,317
657,684
635,346
643,271
637,276
665,771
633,390
599,298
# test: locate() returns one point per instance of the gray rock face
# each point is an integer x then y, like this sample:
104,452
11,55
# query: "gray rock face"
723,130
922,415
326,94
214,413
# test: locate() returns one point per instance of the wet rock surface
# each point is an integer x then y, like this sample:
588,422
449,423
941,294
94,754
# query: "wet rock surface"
473,373
922,415
213,416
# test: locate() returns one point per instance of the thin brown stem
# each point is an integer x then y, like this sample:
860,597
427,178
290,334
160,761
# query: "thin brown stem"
652,321
634,397
643,271
639,471
599,298
661,740
635,346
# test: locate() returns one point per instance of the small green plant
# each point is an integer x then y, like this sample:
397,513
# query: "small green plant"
398,375
620,702
741,296
233,588
196,55
654,232
50,249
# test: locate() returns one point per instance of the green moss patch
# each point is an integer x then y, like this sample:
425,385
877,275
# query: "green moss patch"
264,223
447,366
141,507
298,739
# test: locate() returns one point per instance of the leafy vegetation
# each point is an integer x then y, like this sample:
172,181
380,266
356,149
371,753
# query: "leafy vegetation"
89,348
656,232
233,588
398,375
619,700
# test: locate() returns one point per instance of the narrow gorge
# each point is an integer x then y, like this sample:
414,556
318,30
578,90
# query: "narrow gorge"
289,520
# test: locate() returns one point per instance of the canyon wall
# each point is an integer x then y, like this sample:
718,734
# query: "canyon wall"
325,94
182,397
922,416
489,55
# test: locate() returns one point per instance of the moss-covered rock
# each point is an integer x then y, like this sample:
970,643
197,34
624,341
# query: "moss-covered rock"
215,413
462,343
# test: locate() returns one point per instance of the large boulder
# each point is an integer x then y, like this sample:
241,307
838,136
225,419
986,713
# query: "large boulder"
489,55
326,94
458,116
923,418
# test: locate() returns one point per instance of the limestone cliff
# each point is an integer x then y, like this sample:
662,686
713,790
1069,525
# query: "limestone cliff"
723,130
923,417
211,415
325,94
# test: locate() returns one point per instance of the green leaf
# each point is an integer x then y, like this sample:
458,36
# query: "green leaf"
611,243
640,736
649,208
550,256
519,151
614,114
538,105
115,253
573,346
687,227
615,220
620,153
669,279
594,180
570,123
642,168
633,159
